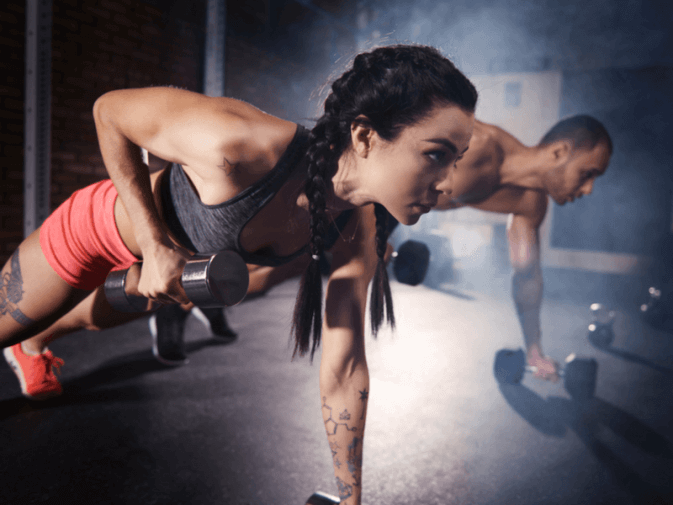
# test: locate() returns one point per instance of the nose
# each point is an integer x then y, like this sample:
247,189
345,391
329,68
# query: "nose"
588,188
445,184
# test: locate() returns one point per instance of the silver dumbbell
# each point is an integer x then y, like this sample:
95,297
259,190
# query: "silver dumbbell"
601,333
216,280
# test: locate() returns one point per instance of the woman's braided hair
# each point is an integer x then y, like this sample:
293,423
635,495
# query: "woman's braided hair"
392,87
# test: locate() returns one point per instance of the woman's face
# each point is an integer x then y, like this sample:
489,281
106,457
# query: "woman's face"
408,174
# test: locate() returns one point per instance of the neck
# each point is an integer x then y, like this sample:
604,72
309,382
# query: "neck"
524,167
342,189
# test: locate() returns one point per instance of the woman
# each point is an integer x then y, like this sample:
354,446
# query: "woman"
262,186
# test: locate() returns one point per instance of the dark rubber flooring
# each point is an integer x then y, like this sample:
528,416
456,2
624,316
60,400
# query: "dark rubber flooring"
241,423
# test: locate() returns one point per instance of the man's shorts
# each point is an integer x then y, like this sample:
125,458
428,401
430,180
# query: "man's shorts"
80,238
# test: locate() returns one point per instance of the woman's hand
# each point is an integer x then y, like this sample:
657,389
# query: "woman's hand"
160,277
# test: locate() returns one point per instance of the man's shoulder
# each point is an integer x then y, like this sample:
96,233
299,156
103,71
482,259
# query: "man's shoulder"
532,205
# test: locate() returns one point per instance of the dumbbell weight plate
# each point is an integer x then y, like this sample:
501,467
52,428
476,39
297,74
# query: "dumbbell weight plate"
322,499
410,263
601,335
509,366
115,293
215,280
579,377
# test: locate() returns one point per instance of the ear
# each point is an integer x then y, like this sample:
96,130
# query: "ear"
362,135
561,151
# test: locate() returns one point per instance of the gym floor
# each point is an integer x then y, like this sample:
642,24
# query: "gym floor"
241,424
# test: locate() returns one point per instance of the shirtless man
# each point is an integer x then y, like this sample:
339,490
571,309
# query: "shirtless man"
500,174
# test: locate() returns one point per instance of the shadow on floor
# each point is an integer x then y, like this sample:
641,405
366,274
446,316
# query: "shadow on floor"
554,416
88,388
629,356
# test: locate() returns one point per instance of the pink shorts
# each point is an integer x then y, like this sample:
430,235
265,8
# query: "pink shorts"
80,238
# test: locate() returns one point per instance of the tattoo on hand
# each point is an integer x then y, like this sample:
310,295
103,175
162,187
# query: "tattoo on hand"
228,168
345,490
11,292
330,424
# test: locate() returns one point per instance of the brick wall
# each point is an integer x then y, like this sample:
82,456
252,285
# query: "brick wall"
12,28
97,46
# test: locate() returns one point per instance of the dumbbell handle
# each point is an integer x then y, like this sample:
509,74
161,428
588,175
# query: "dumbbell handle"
216,280
533,369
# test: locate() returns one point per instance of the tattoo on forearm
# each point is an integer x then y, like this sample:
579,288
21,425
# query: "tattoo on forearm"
345,490
228,167
330,424
333,447
11,292
354,460
364,395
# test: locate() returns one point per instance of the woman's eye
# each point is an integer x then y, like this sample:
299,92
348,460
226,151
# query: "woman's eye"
455,163
437,156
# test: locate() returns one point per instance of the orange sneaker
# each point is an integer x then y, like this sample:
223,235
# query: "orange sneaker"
35,372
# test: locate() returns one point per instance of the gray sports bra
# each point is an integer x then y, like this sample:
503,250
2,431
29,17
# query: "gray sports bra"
210,228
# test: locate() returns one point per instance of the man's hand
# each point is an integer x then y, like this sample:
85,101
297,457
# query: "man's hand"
547,368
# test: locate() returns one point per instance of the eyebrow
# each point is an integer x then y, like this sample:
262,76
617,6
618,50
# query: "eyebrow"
446,143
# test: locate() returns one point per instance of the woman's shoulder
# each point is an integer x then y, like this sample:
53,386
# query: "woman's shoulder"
251,131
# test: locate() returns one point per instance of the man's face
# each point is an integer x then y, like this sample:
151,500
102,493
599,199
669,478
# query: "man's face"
576,178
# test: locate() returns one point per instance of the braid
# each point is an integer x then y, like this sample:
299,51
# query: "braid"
307,320
380,286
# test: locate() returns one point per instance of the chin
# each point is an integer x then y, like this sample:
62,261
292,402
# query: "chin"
410,219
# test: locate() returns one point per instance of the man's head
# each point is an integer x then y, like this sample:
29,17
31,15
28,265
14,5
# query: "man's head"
579,148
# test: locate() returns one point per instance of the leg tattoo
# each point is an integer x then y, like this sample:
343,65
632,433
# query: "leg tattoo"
11,292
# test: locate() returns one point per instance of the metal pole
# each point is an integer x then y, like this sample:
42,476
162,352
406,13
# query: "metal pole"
37,134
215,43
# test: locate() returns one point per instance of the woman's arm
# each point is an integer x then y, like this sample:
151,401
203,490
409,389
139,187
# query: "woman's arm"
178,126
344,376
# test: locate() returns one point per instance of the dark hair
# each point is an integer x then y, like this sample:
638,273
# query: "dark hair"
393,87
584,132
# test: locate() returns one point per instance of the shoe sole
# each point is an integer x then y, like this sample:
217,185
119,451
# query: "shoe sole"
16,368
198,314
155,346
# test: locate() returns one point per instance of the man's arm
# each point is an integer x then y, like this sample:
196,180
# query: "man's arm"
527,286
